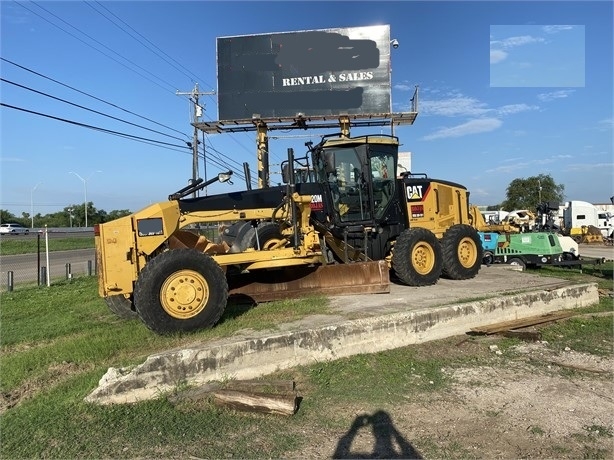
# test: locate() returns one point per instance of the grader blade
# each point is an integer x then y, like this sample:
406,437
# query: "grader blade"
344,279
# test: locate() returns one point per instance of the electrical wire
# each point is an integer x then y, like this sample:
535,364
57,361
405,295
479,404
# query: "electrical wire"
83,125
160,53
93,47
89,95
88,109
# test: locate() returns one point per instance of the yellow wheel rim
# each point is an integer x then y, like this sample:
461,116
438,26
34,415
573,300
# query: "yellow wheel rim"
423,258
467,252
184,294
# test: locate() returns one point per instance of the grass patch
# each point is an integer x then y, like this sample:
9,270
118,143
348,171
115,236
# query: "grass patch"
587,333
602,274
57,342
30,245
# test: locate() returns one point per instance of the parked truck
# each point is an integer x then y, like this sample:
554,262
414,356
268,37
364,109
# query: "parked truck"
585,222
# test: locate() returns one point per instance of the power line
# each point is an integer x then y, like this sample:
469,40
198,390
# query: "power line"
90,95
88,109
83,125
84,42
178,67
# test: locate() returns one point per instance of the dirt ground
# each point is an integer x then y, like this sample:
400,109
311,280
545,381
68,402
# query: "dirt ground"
540,404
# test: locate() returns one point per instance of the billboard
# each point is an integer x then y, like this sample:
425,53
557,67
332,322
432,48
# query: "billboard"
316,73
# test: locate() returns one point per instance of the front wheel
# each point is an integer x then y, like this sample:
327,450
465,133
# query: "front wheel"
121,306
181,290
417,257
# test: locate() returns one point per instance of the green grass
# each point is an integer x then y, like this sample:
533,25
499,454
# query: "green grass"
57,342
9,246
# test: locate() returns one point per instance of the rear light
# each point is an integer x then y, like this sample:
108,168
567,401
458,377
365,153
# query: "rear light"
97,230
417,210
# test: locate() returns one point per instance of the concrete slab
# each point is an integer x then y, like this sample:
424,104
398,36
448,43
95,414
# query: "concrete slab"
357,324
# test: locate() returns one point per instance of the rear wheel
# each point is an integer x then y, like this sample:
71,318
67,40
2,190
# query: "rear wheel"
268,236
462,252
181,290
517,262
417,257
121,306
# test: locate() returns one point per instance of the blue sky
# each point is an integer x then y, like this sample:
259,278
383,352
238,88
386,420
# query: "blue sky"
507,90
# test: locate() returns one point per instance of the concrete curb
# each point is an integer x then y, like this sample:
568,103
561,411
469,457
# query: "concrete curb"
248,358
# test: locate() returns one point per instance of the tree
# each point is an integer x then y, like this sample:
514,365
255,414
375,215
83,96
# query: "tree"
529,193
6,216
116,214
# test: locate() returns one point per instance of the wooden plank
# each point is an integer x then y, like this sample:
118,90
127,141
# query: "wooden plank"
280,404
261,386
531,334
520,323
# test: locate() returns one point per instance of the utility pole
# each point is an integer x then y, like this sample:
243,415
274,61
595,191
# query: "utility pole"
198,111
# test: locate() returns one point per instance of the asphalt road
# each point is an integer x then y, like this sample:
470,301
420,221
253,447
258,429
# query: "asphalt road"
587,250
24,266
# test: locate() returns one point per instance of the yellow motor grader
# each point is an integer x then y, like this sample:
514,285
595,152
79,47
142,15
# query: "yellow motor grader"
343,231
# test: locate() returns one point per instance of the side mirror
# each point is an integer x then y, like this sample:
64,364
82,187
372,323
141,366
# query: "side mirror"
285,174
329,159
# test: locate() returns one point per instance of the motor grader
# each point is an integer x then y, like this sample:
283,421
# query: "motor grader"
344,231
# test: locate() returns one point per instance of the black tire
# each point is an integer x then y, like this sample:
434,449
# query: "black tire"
518,262
268,236
417,257
462,252
121,306
488,258
181,290
569,256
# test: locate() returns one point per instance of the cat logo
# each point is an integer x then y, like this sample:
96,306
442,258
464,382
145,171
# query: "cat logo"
414,192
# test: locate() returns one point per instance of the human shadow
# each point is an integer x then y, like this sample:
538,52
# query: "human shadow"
389,443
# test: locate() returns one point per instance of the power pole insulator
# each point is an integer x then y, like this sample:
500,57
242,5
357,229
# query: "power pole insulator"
198,112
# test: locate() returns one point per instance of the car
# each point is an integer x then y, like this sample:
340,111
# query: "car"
13,229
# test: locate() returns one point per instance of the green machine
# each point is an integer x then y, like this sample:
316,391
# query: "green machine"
524,249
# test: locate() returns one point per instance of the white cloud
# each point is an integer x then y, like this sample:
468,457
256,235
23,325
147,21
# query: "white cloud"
497,56
479,125
547,97
11,160
512,42
465,106
508,168
509,160
479,191
404,87
515,108
513,164
590,167
556,29
455,106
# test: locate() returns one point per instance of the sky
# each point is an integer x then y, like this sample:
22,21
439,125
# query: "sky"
91,106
